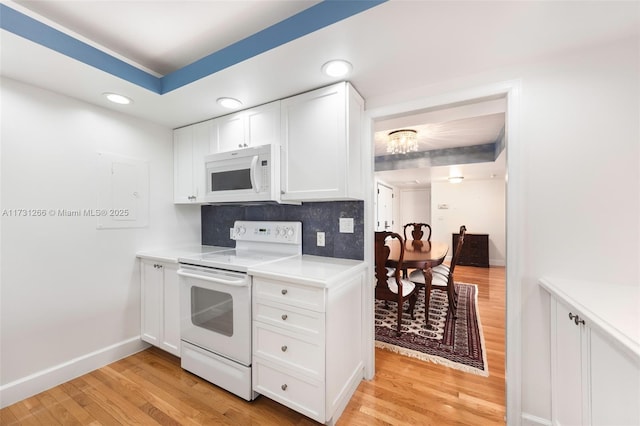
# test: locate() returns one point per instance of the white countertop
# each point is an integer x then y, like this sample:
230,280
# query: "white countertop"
613,309
310,270
171,254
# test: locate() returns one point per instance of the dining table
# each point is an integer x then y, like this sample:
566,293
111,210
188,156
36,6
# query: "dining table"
418,254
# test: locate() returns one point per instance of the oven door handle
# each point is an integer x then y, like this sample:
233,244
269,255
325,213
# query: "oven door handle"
240,282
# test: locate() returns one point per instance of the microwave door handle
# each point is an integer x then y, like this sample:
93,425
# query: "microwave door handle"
254,175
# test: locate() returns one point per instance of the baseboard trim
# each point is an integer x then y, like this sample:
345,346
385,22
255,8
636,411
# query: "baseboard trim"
42,380
531,420
497,262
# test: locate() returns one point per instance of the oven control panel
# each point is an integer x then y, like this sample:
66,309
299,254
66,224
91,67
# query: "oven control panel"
268,231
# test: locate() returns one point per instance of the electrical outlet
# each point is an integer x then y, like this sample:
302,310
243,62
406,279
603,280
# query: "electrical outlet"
232,234
320,239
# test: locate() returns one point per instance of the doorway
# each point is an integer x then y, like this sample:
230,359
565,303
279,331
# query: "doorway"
384,207
510,90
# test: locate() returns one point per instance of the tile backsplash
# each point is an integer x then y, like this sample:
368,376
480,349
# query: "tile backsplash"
320,216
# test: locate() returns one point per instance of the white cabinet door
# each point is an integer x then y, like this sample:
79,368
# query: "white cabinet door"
231,132
183,191
592,381
202,140
321,144
263,125
151,286
171,310
160,315
615,384
190,145
566,367
252,127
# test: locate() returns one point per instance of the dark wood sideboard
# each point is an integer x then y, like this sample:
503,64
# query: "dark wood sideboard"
475,250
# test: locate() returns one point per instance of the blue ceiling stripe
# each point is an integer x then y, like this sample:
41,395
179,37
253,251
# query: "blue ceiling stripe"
303,23
309,20
31,29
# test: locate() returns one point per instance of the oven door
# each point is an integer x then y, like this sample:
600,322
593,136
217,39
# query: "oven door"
215,311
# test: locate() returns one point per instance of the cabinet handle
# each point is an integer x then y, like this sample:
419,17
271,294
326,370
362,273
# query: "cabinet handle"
576,319
284,291
284,348
284,317
283,387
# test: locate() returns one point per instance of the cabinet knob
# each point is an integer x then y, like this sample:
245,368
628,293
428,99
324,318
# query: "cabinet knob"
284,291
284,317
283,387
284,348
576,319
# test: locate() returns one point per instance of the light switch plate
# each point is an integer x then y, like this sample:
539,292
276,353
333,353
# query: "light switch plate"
346,225
232,235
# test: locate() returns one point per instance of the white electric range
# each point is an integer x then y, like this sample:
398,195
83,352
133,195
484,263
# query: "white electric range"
215,302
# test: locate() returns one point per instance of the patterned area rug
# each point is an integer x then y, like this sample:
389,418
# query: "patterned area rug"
456,343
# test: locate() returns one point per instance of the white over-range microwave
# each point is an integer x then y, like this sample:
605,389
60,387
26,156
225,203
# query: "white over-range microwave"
247,174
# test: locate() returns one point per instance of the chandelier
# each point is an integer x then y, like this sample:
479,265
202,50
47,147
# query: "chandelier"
402,141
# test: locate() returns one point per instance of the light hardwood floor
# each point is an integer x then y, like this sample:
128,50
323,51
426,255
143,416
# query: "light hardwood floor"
151,388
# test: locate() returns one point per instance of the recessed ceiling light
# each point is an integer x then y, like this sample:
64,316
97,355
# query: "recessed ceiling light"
230,103
455,179
117,99
337,68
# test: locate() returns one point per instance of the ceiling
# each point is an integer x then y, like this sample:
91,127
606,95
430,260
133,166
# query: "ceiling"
262,50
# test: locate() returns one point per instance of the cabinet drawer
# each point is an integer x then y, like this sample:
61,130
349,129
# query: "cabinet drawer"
306,397
289,350
290,294
290,318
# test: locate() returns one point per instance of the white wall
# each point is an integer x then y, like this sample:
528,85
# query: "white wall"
580,135
578,184
477,204
415,206
68,289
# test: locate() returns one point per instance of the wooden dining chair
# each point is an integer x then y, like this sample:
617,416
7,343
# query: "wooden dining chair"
393,288
418,231
441,277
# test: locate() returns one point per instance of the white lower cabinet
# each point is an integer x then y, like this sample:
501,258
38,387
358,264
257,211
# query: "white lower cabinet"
593,382
160,309
307,345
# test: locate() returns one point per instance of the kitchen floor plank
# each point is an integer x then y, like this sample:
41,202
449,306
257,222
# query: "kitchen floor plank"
151,388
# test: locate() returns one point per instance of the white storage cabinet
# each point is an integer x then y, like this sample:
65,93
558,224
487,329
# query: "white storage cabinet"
307,345
321,141
190,145
251,127
594,379
160,308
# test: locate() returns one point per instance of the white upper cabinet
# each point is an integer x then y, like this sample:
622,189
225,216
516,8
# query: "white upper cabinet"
252,127
190,145
321,144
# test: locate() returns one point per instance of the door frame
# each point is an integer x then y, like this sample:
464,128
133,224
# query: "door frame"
511,90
